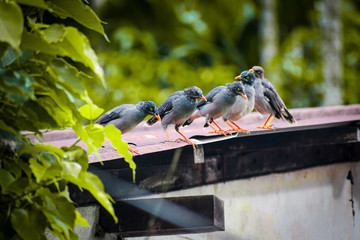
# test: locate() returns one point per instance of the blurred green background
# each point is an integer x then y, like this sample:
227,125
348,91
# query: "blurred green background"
310,49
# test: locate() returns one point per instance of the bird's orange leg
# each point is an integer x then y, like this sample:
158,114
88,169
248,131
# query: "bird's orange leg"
220,129
168,135
214,129
239,129
231,126
269,122
266,124
133,151
186,139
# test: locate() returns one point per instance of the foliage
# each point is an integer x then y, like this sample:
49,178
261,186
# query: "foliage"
158,47
351,44
46,71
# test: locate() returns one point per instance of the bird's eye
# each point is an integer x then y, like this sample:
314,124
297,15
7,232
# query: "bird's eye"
247,77
238,89
258,72
151,109
195,93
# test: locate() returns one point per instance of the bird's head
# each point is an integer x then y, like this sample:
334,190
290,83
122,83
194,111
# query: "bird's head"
258,71
194,93
247,77
237,88
151,109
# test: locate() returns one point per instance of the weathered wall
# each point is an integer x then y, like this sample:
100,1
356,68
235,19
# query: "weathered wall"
307,204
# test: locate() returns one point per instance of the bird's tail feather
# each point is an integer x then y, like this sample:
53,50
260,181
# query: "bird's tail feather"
287,116
194,116
151,121
187,122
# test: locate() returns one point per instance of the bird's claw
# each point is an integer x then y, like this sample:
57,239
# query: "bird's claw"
221,132
189,142
266,127
134,151
240,130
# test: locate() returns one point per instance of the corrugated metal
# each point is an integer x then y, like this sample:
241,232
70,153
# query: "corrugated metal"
149,140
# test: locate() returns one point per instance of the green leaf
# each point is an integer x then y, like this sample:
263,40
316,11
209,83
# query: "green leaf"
96,134
93,184
38,169
11,23
6,127
114,135
6,178
71,169
83,135
12,167
8,57
18,85
34,3
29,224
39,116
80,12
74,45
54,33
19,186
70,78
90,111
59,211
80,220
76,154
37,148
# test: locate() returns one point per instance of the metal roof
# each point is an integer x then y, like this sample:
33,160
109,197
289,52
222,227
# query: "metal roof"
322,135
147,140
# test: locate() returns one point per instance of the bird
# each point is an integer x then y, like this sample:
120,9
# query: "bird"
268,101
241,107
219,101
177,108
127,116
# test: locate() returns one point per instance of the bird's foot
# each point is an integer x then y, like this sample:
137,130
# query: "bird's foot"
134,151
266,127
240,130
189,142
221,132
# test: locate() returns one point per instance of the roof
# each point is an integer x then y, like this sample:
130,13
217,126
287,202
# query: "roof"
322,135
147,140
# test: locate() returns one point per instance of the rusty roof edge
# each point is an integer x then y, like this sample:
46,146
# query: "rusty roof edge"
298,113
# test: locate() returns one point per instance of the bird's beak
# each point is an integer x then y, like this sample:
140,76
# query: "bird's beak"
158,117
203,98
251,70
238,77
244,96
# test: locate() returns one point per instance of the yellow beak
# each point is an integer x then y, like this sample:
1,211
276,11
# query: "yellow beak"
158,117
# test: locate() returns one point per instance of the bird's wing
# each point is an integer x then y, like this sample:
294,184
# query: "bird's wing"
209,97
268,85
167,105
113,114
274,101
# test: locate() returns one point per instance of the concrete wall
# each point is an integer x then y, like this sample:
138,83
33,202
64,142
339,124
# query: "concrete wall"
307,204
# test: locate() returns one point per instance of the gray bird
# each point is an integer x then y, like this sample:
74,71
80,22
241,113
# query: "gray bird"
127,116
177,108
268,101
242,107
219,101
